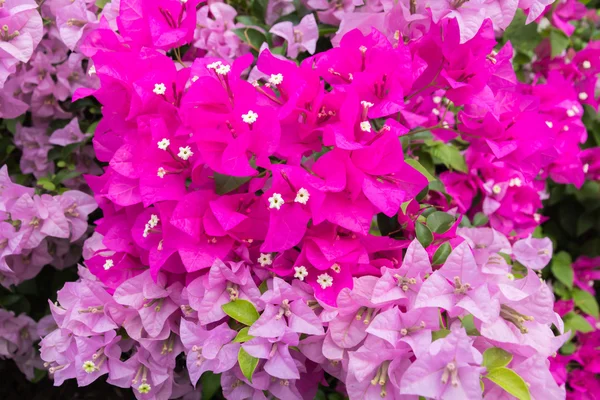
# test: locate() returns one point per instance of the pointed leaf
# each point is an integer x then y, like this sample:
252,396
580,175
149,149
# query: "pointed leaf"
247,363
510,381
495,357
242,311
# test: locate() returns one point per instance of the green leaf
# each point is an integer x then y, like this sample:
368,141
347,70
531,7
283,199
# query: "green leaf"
441,254
558,41
480,219
251,36
576,323
523,37
442,333
495,357
65,174
468,322
561,268
102,3
242,311
243,336
38,375
568,348
424,234
247,363
586,302
263,287
449,156
46,184
93,125
440,222
417,165
211,384
225,183
510,381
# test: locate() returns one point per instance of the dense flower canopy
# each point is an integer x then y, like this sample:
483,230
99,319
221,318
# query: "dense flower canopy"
289,214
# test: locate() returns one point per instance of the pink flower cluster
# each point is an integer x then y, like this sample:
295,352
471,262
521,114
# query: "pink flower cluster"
37,230
580,366
17,335
237,219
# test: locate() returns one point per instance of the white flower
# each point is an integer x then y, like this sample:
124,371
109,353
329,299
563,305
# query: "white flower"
183,1
537,217
265,259
325,280
195,78
185,153
153,220
510,277
583,96
92,70
496,189
435,111
363,49
276,201
301,272
147,229
366,104
164,144
223,69
108,264
250,117
565,128
302,196
586,168
515,182
437,99
89,366
159,88
550,124
336,268
214,65
365,126
276,79
161,172
144,388
570,113
586,64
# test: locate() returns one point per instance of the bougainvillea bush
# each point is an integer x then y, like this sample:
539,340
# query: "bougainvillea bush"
301,199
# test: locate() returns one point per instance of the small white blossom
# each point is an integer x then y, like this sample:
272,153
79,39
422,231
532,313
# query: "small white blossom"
301,272
223,69
325,280
265,259
537,217
435,111
565,128
366,104
195,78
214,65
583,96
250,117
550,124
92,70
515,182
365,126
159,88
89,366
183,1
496,189
153,220
336,268
276,79
164,143
185,153
570,113
586,168
510,277
586,64
302,196
147,229
437,99
276,201
363,49
108,264
161,172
